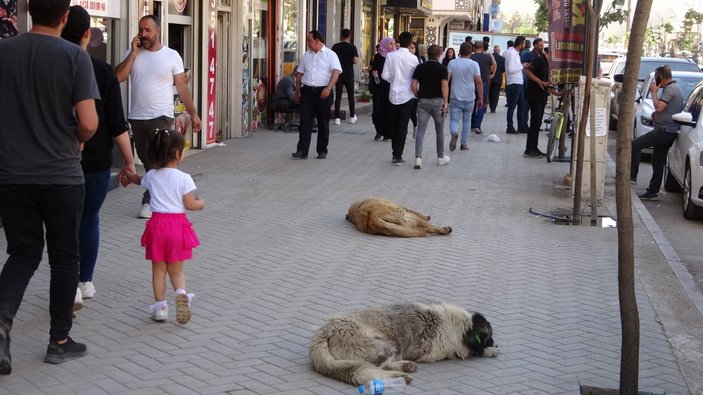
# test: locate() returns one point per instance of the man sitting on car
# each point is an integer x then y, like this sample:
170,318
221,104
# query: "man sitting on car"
664,133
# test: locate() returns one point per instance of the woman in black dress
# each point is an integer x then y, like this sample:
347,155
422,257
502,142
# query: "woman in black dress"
380,88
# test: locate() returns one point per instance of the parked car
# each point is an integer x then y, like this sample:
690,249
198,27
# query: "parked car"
684,166
607,59
647,65
644,108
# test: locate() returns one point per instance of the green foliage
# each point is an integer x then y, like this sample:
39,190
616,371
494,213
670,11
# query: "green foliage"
613,14
541,17
520,24
688,40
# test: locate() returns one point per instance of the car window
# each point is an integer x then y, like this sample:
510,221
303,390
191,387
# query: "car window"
687,84
695,100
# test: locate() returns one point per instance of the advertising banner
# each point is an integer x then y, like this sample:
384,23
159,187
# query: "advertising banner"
210,119
567,37
100,8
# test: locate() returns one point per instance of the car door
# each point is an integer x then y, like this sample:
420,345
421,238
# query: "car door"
684,140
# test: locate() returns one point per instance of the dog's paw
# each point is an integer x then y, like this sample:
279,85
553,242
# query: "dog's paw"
490,352
428,218
409,367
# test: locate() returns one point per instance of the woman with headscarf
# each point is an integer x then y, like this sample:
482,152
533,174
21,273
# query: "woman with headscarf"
380,88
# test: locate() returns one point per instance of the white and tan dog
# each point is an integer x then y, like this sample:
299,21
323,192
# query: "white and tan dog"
388,341
379,216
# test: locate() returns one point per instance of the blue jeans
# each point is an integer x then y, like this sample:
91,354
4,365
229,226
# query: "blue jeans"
460,110
95,191
477,117
29,214
514,93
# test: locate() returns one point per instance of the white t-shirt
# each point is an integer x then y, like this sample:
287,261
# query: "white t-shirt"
167,186
317,67
151,80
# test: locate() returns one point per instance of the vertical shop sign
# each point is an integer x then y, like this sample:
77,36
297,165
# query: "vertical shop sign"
211,74
567,34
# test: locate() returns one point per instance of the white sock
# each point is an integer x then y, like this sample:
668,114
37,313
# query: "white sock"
181,291
160,303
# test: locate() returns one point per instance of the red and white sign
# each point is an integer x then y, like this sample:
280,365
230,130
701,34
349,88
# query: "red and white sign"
100,8
210,114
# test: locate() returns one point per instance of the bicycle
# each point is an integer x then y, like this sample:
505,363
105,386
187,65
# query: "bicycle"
556,124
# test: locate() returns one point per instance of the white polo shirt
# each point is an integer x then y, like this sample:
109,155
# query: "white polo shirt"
317,67
152,83
398,71
513,67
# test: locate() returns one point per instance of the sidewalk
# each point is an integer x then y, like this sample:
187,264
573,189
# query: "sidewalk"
277,258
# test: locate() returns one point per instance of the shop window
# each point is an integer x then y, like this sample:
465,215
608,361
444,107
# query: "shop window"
289,37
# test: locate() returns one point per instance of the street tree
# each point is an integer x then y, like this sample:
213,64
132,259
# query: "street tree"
689,41
614,13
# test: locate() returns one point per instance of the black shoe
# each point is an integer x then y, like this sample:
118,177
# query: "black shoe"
299,155
321,156
386,139
5,358
478,131
649,196
633,180
511,130
522,130
378,137
398,161
60,353
532,154
464,147
452,143
539,152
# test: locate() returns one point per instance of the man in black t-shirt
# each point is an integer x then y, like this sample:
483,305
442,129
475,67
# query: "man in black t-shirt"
348,57
432,92
537,88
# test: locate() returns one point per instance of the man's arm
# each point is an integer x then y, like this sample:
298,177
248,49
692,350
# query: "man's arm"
659,104
445,93
184,93
492,68
87,119
298,84
333,80
479,91
125,67
414,86
386,73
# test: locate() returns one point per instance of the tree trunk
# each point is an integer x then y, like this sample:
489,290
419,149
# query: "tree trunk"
629,316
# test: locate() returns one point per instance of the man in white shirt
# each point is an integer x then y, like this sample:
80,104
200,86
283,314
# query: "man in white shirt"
514,89
398,71
153,69
315,77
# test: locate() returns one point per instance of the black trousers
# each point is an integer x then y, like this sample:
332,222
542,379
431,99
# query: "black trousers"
660,141
313,106
493,96
347,83
29,214
380,111
140,132
398,118
536,114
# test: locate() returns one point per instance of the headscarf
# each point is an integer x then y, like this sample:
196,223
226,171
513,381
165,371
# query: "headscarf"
383,46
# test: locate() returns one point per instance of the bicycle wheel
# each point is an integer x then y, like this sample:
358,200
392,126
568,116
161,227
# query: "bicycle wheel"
553,136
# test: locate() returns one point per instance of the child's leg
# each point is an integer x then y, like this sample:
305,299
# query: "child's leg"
175,273
158,280
178,281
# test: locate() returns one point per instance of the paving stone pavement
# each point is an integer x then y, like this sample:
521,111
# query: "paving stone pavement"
277,258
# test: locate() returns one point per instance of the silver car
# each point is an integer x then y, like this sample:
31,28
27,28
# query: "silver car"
684,167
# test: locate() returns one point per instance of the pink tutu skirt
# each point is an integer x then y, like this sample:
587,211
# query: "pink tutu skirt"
169,238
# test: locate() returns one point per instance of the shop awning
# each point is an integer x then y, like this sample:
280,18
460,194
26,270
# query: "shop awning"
418,8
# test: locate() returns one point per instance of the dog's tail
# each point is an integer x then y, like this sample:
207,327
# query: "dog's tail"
355,372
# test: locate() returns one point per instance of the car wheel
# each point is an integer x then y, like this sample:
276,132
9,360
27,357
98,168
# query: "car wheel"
670,183
690,210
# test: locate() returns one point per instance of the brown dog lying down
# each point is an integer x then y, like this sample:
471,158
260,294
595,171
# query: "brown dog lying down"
379,216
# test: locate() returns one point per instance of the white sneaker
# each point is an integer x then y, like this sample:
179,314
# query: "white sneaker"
418,163
353,119
159,313
78,301
443,160
337,121
87,289
145,212
183,308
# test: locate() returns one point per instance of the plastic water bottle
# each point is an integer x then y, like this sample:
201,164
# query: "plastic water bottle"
386,386
375,77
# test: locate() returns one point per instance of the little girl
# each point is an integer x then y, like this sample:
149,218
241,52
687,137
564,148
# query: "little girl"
169,237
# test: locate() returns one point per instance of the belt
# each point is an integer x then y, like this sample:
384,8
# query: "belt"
315,87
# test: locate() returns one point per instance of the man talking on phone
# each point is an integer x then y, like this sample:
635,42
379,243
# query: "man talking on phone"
667,103
153,69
